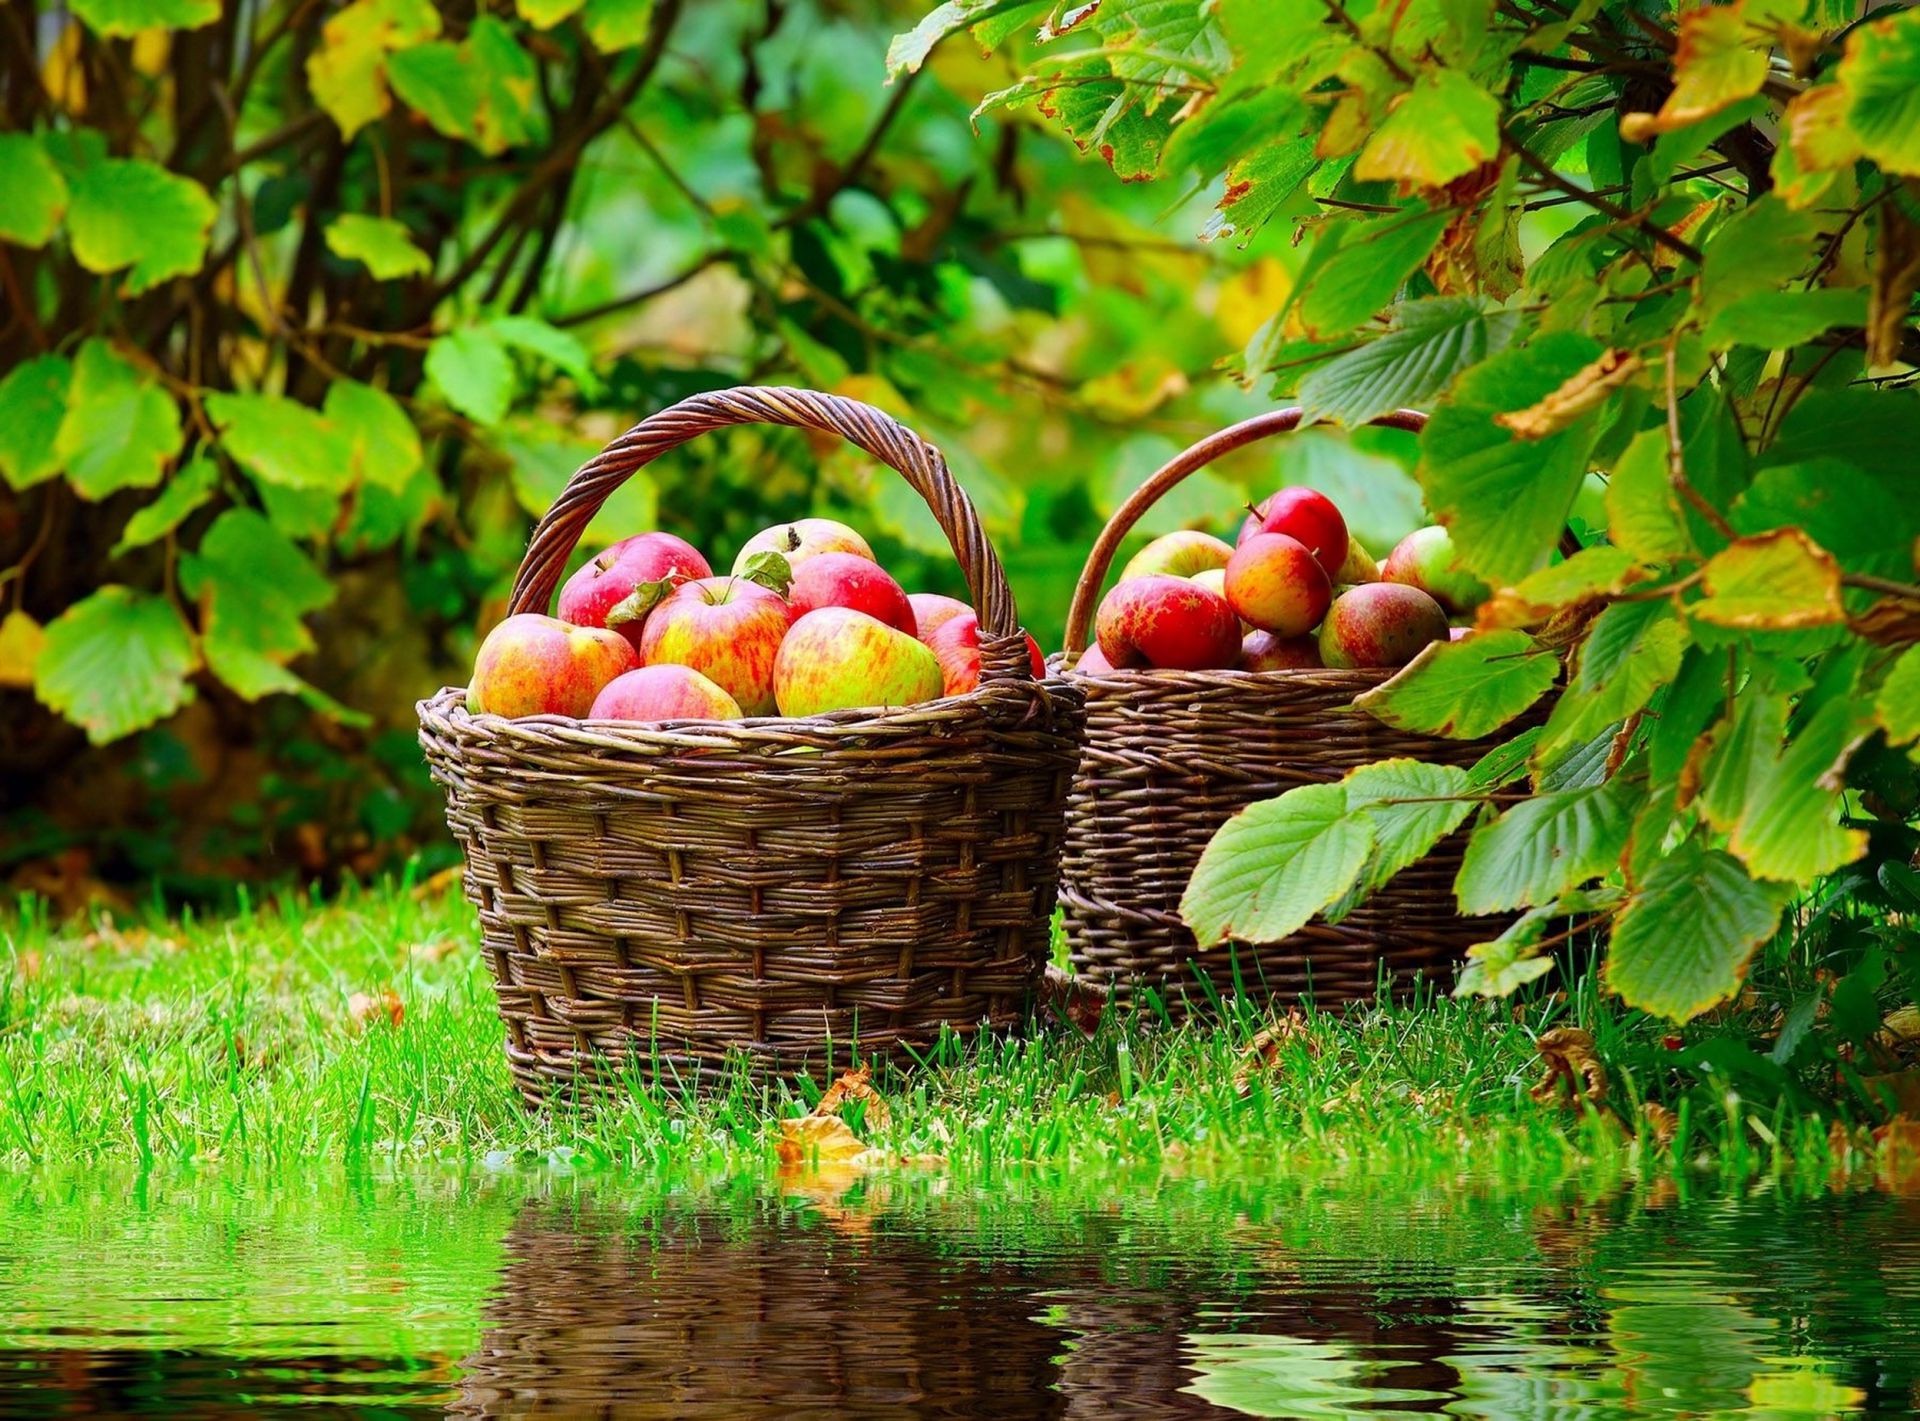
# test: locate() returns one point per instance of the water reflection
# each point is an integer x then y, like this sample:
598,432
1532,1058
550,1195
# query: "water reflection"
537,1296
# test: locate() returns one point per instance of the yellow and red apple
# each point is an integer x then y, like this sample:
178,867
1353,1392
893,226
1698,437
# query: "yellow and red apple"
726,628
532,664
663,692
835,658
1168,622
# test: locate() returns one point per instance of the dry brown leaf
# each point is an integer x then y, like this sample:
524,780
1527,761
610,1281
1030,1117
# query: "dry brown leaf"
1263,1052
1585,390
1902,1025
1897,1155
365,1009
855,1085
1896,276
1074,1000
1658,1123
1571,1072
441,882
1892,621
817,1139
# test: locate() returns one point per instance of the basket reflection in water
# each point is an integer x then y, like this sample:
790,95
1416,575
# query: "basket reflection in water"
657,900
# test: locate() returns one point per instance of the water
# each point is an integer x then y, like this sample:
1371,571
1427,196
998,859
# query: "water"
531,1294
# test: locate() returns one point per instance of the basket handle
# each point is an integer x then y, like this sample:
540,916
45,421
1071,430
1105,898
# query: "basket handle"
1188,461
1003,654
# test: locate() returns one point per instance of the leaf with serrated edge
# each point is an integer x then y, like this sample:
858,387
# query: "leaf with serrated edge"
1465,689
116,662
1542,847
1441,129
129,212
1643,511
1897,707
1413,806
282,441
1631,650
1881,77
120,428
1432,342
1778,581
1274,865
1591,572
1688,931
382,446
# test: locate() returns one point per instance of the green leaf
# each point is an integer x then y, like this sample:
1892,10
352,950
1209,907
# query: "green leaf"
1465,689
1441,129
542,462
1256,188
550,343
1719,62
1412,806
191,485
1868,521
1643,511
33,401
1777,581
481,90
1631,650
1779,320
1897,707
1591,572
1159,47
380,244
348,72
120,429
1758,249
1698,695
1506,964
474,372
1356,268
115,663
1274,865
382,447
254,587
1688,931
1505,763
907,52
1431,342
1539,849
614,25
1881,77
129,17
129,212
1102,114
32,192
1781,804
1505,499
282,441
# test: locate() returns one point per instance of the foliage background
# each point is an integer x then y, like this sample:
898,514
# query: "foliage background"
310,307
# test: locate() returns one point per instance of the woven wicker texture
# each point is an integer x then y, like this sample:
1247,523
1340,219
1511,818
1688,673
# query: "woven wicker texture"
655,898
1172,755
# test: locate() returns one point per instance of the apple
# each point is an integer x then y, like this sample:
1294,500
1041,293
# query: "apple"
1169,622
1263,651
1308,518
1380,624
802,539
1425,559
1180,554
538,665
663,692
931,611
836,658
726,628
1093,662
849,580
1275,582
608,579
1359,566
956,646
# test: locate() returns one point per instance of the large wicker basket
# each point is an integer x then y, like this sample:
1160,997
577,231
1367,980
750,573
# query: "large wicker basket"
1172,755
656,900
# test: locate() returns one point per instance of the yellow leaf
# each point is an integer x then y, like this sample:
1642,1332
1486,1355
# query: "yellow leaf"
824,1139
1721,60
348,72
20,642
1818,131
1778,581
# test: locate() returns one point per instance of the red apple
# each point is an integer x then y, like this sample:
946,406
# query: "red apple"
931,611
1380,624
726,628
1305,516
1093,662
1169,622
664,692
1179,554
836,658
849,580
536,665
1275,583
1425,559
1263,651
956,645
802,539
608,579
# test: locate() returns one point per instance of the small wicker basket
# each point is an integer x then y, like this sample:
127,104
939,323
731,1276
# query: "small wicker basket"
1172,755
659,900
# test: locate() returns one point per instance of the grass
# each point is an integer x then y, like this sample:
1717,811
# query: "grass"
265,1037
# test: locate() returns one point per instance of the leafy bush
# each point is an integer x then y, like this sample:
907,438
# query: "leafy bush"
1673,248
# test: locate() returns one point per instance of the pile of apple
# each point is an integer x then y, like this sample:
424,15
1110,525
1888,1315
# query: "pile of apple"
1296,592
806,622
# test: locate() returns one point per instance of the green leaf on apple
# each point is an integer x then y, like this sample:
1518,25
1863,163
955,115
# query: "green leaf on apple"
642,600
771,570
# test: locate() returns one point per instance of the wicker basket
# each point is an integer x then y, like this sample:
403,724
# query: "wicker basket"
1172,755
657,899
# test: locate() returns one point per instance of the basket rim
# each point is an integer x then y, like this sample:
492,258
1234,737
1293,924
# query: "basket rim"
1011,702
1305,678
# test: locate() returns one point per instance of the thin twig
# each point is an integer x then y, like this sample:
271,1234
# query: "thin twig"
1546,173
1676,459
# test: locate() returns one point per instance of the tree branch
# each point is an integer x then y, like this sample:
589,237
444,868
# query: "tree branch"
1546,173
